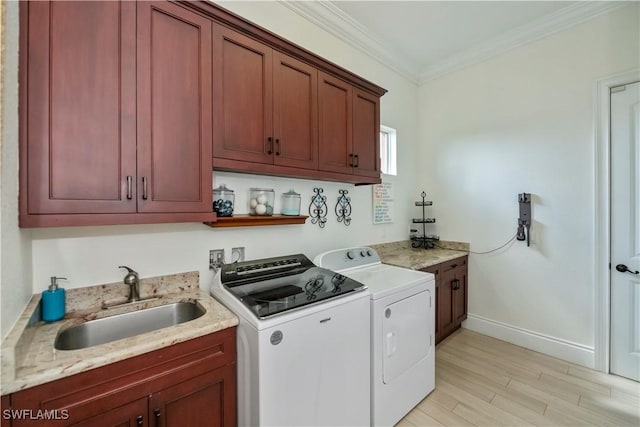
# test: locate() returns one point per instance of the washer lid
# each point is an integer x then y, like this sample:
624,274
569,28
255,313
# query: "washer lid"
383,280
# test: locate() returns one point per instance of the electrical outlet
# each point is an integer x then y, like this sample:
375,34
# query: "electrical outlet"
216,258
237,254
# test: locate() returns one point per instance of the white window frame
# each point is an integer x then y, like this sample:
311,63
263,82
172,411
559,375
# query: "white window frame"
388,150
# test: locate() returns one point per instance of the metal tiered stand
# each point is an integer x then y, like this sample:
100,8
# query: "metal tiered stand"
424,241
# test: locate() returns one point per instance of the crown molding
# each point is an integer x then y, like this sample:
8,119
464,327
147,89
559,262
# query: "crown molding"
332,19
535,30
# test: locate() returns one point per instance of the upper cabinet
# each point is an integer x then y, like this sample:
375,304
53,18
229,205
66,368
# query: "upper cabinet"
281,110
349,129
265,104
115,114
126,107
174,109
78,108
366,128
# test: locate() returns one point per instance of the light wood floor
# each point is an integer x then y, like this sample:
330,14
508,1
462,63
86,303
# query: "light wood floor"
487,382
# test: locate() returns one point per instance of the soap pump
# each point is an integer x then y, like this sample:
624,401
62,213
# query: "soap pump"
53,301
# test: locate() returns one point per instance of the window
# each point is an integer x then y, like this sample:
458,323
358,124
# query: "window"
388,150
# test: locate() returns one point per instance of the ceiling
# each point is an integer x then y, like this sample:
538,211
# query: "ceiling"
425,39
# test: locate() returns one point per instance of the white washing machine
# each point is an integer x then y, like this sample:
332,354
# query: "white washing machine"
302,336
402,330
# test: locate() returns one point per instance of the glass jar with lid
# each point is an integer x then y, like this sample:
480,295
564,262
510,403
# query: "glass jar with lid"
261,201
223,200
290,203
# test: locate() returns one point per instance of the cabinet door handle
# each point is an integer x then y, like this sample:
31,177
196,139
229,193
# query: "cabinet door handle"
352,164
129,183
144,188
139,420
270,148
455,284
277,146
454,265
357,163
156,412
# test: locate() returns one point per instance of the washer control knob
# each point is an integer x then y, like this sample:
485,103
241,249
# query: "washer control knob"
363,254
350,255
369,253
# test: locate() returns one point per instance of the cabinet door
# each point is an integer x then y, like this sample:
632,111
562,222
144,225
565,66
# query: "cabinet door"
174,109
242,87
335,121
78,113
445,298
460,298
206,400
295,112
366,134
129,415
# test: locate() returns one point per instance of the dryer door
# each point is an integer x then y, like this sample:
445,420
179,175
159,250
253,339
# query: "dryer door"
405,334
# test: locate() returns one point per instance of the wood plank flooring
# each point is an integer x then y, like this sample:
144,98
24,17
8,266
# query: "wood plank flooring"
482,381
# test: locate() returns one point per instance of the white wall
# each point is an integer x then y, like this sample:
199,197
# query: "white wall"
15,249
90,255
523,122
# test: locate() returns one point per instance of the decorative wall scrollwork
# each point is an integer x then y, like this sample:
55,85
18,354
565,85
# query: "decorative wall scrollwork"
318,208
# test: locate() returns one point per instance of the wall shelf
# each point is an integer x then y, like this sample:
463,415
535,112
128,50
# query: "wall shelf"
243,220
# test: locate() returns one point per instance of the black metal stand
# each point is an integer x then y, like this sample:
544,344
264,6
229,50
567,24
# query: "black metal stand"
424,241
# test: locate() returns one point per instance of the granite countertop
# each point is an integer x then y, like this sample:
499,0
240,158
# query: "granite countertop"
28,355
401,254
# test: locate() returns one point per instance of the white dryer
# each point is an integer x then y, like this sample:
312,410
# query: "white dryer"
402,330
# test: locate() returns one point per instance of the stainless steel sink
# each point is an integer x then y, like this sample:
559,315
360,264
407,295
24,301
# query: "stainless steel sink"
126,325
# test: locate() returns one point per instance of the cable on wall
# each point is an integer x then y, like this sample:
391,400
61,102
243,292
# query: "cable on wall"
482,253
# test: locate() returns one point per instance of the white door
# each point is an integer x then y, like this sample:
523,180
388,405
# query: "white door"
625,231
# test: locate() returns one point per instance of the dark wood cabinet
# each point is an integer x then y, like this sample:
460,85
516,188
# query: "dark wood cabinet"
201,401
115,113
335,124
190,383
295,112
451,295
126,107
243,87
366,133
77,118
132,414
265,104
174,109
349,128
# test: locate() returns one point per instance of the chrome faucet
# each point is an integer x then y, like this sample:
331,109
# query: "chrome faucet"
133,281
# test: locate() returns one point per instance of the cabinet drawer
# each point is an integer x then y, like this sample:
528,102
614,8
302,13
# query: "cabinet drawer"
454,263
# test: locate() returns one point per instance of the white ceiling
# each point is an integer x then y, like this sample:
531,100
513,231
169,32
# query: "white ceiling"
424,39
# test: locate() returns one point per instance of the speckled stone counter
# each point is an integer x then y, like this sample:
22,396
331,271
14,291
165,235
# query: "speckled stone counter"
401,254
29,357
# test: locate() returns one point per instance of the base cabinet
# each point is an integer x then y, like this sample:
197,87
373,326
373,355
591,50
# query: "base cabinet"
451,295
187,384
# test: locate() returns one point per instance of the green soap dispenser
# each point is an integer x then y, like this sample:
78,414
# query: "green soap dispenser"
53,301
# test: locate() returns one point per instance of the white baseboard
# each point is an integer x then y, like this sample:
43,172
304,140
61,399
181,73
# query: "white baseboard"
552,346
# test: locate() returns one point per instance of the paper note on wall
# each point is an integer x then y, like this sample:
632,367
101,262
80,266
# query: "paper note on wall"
383,203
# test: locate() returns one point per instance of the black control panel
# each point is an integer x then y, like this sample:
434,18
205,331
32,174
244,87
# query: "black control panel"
240,273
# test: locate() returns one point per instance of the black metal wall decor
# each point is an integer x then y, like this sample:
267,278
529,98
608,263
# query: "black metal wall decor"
343,208
318,208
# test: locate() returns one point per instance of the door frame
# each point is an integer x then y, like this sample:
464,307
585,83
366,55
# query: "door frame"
602,209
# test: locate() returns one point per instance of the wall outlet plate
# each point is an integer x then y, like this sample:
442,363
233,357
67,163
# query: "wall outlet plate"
237,254
216,258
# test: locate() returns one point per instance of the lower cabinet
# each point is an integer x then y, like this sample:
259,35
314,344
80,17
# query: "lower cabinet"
187,384
451,295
